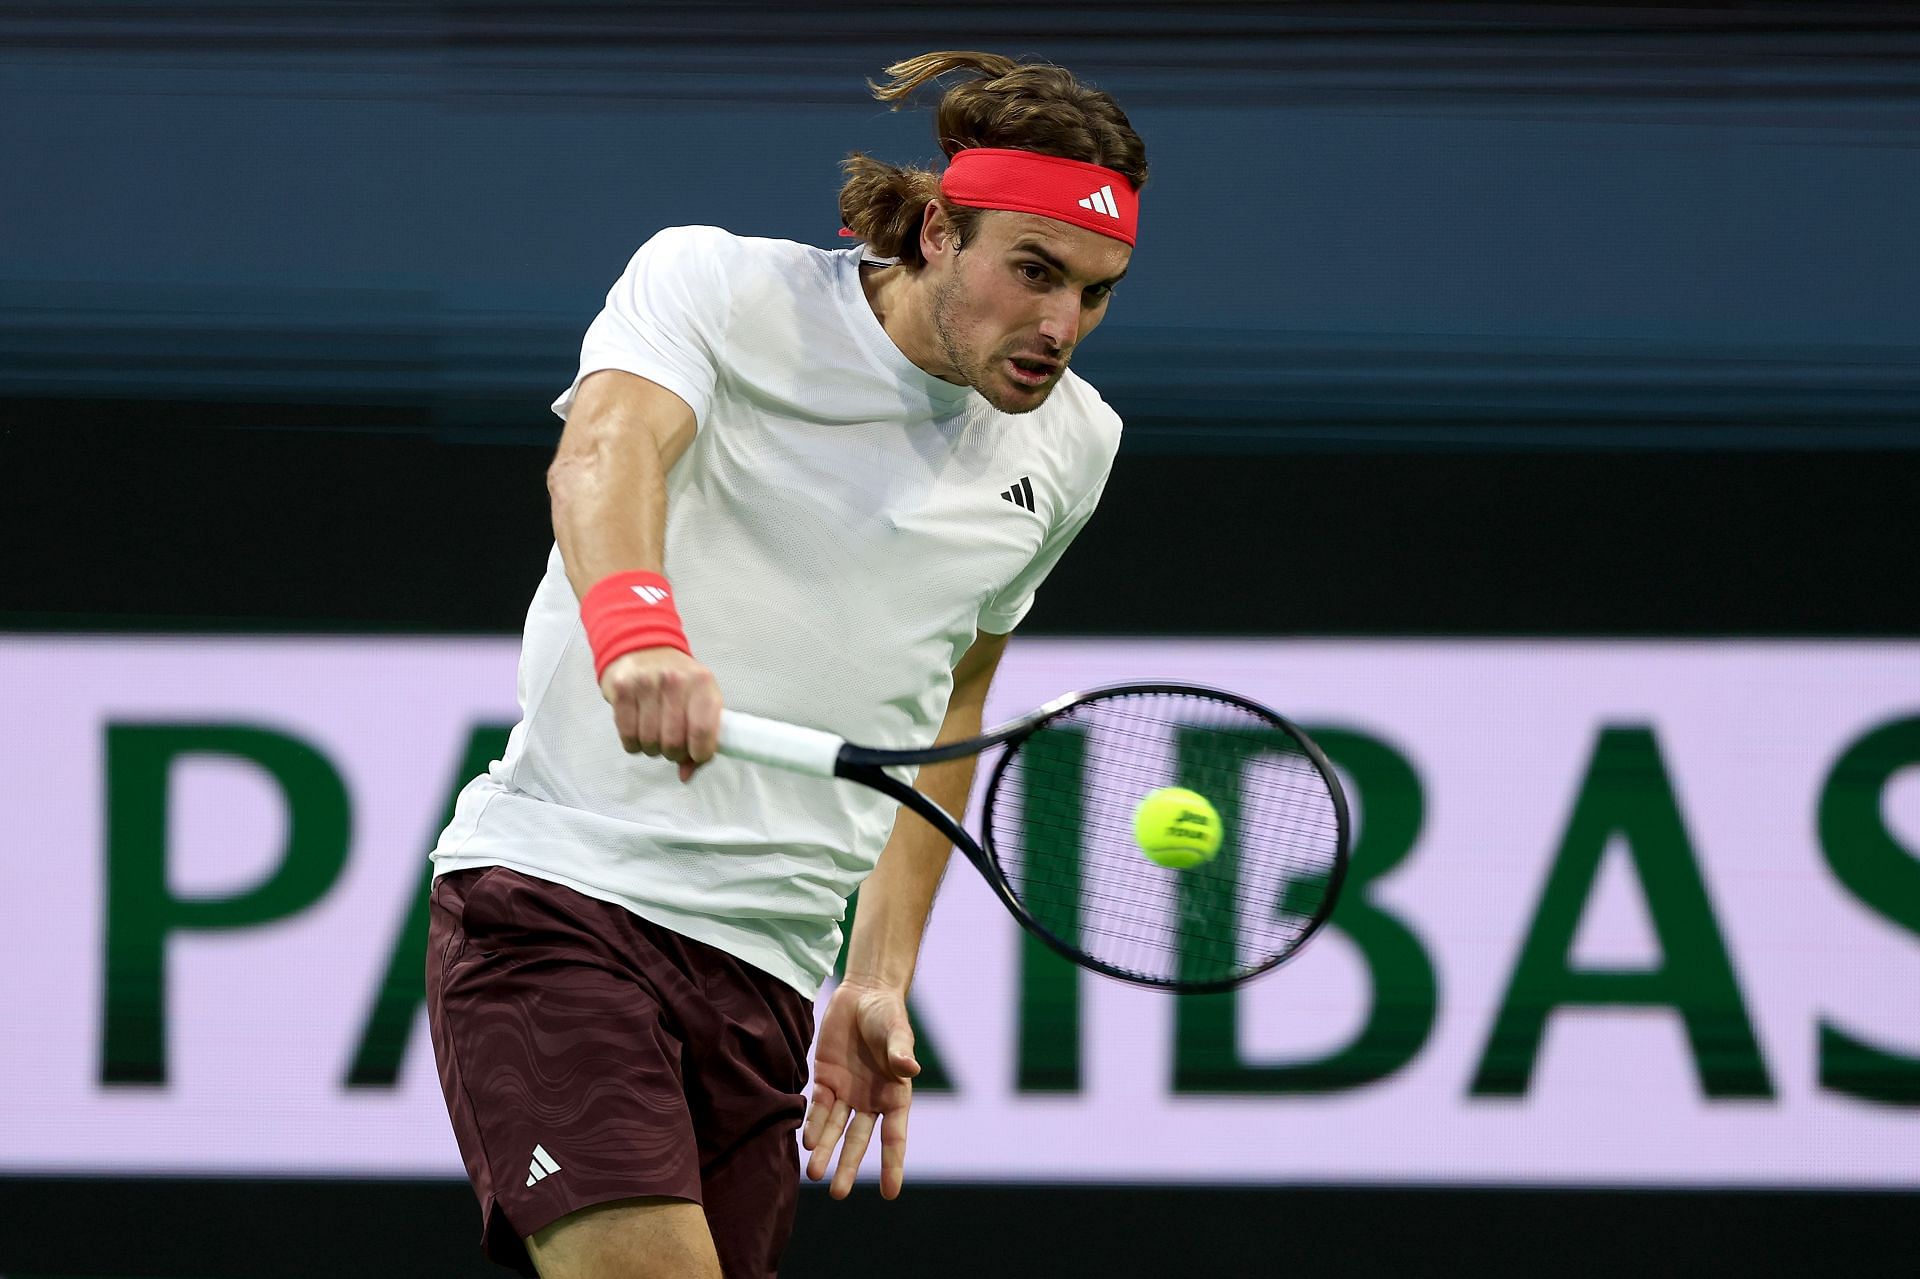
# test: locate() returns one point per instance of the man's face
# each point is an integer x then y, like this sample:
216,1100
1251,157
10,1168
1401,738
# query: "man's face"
1013,303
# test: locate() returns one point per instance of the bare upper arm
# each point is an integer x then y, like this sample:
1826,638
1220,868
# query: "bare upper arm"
614,411
973,673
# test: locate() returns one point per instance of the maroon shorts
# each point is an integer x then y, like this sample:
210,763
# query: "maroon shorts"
588,1055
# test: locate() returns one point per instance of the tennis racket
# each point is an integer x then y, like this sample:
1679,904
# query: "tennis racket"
1057,843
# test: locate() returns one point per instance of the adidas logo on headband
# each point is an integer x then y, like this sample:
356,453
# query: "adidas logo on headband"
1101,201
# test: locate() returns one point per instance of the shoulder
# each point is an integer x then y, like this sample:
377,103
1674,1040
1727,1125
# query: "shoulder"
1072,439
706,280
740,262
1085,424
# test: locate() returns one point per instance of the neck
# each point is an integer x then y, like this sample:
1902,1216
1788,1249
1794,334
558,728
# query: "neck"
902,300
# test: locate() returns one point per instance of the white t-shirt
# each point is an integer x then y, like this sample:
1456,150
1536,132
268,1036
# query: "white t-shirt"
839,530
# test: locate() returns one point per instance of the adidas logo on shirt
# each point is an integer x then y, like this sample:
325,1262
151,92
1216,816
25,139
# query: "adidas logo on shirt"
1101,201
1021,494
543,1165
651,594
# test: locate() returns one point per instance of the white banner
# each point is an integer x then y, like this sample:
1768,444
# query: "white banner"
1621,913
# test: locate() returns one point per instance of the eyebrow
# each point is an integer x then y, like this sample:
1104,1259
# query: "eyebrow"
1027,246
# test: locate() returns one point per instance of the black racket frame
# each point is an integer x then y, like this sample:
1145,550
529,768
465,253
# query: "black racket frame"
867,766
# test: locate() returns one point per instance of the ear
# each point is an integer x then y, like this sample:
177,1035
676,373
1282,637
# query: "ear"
938,240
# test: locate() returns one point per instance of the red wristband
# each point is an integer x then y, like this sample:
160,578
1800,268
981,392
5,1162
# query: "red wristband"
626,612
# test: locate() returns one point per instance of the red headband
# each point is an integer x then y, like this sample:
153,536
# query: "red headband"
1087,195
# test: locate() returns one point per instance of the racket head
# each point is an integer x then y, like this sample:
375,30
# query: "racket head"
1057,830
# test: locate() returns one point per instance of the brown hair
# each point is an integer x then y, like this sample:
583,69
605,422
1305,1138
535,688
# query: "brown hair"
1022,106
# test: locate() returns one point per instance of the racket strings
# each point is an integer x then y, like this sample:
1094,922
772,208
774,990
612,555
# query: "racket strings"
1063,833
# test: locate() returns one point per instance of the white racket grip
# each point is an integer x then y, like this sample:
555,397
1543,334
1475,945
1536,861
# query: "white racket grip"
775,742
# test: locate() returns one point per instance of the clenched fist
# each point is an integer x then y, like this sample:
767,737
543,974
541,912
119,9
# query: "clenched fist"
664,704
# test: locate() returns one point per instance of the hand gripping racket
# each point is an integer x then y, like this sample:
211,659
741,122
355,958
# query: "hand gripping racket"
1057,840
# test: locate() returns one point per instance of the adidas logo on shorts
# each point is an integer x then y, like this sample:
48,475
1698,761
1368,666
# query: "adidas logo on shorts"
542,1167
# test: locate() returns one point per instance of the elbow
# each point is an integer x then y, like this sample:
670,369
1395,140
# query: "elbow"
568,478
570,470
559,476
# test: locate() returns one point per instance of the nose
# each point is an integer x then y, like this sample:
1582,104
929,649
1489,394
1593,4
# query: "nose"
1060,324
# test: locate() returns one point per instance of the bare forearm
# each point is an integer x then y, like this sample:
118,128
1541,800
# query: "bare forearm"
898,896
609,510
608,481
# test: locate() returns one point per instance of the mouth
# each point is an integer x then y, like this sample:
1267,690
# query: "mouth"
1032,372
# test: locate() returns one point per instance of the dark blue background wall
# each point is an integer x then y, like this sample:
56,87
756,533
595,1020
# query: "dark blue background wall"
1512,319
1590,226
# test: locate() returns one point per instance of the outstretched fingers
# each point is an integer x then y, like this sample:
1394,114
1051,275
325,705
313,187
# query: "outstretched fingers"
893,1153
852,1151
817,1108
830,1122
824,1126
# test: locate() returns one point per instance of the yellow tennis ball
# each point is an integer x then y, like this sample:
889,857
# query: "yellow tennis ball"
1176,828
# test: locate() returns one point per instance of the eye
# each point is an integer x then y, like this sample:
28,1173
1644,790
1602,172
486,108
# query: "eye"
1034,272
1097,294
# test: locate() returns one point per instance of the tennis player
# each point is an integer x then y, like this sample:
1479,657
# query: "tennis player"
820,486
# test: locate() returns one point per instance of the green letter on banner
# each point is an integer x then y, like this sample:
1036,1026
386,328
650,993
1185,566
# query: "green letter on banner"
141,911
1875,868
376,1063
1049,1031
1626,793
1387,797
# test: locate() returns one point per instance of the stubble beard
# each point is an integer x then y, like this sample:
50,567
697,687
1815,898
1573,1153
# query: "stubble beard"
976,374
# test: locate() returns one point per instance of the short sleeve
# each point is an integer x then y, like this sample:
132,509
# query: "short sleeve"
1004,611
664,318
